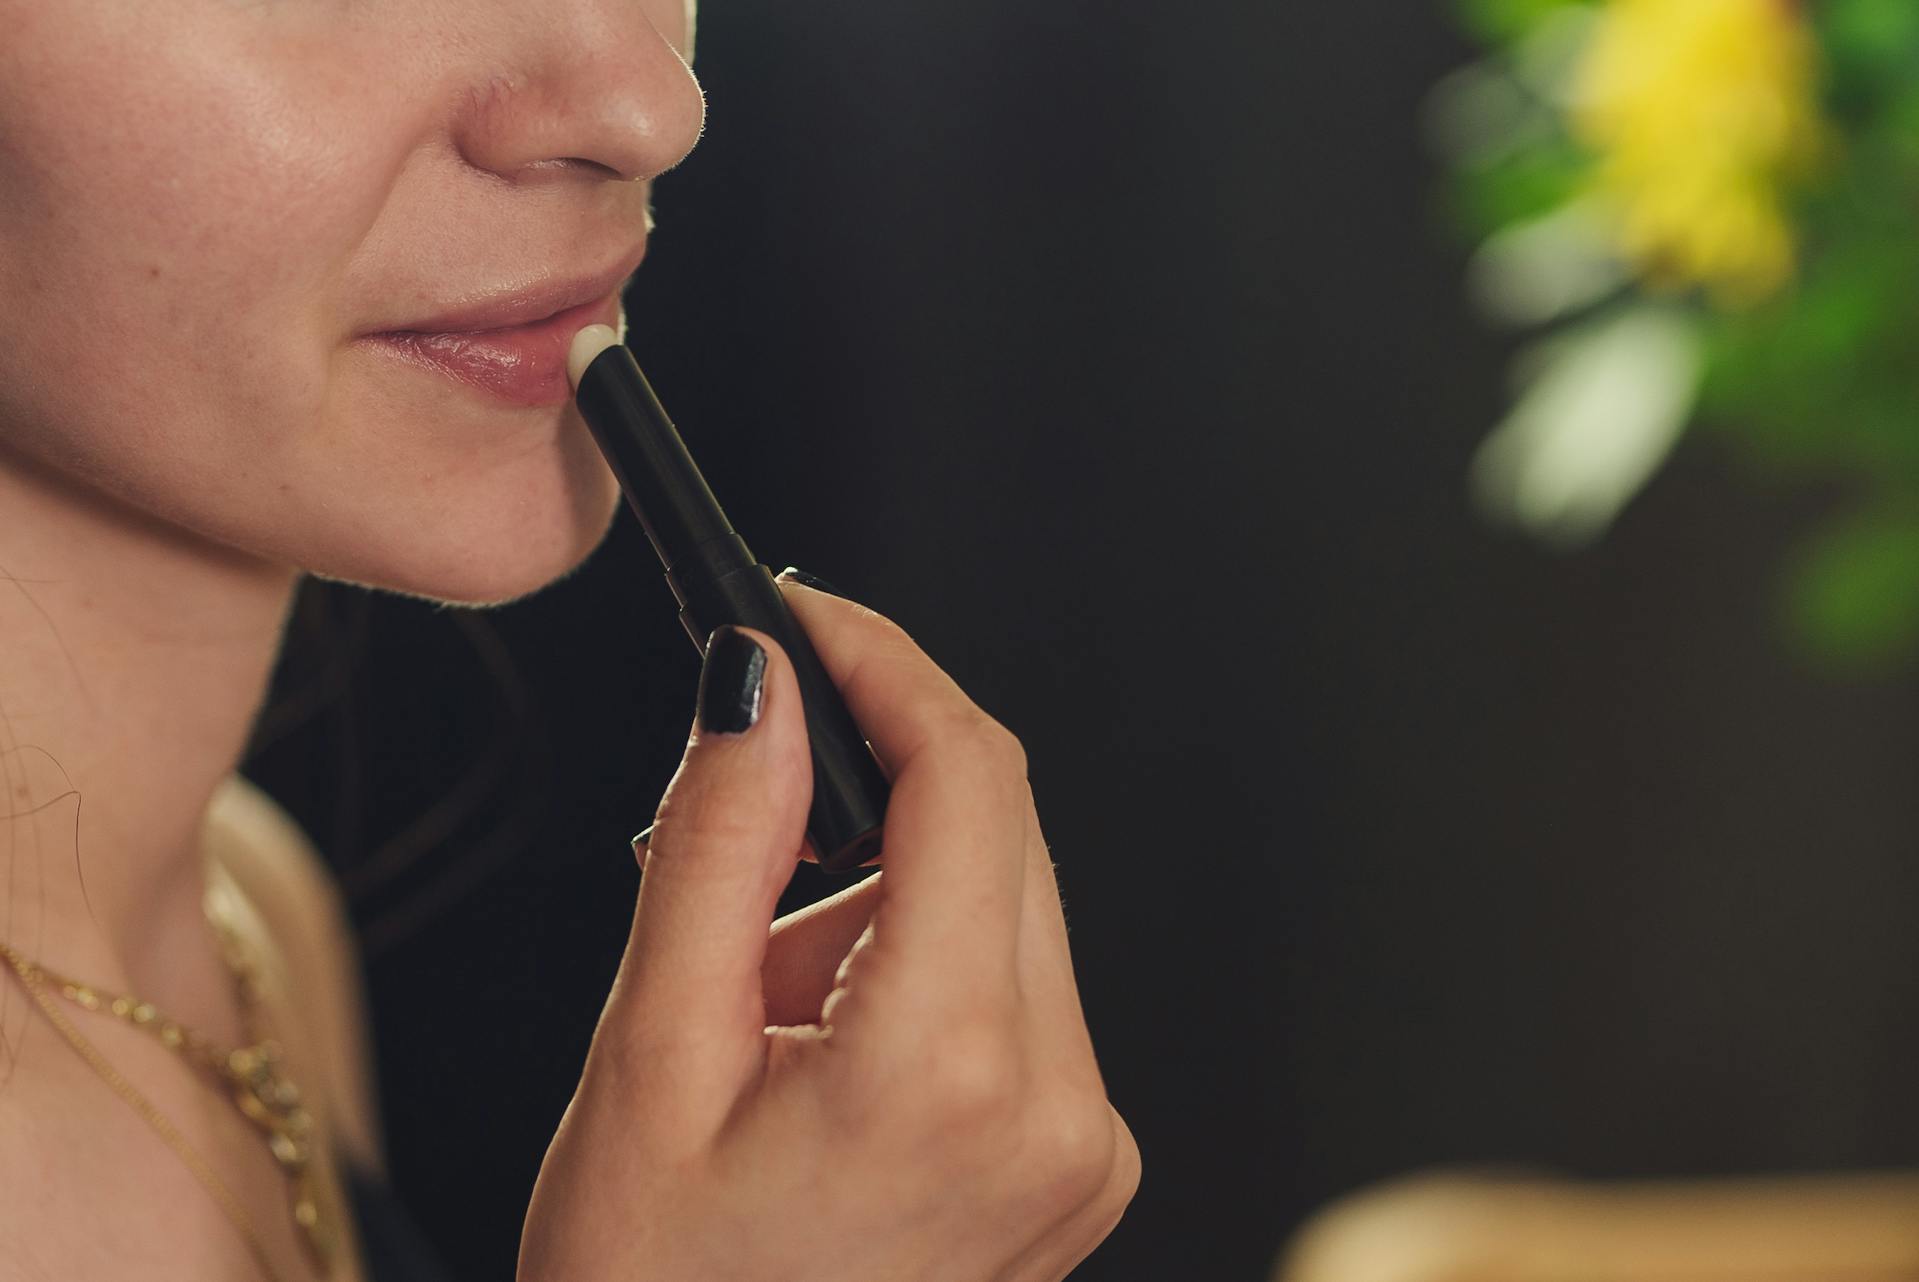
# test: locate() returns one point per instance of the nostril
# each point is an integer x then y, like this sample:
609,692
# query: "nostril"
583,102
557,162
595,165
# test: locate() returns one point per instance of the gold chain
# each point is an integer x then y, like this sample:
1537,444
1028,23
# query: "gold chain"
251,1073
30,974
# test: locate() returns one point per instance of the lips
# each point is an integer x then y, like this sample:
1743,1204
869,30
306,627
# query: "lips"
520,364
511,344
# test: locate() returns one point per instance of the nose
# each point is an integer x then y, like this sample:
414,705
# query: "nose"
589,82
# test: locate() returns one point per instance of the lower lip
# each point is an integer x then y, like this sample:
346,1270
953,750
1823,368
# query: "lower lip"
523,365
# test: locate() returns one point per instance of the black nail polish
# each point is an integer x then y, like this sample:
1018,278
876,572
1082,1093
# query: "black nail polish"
806,580
731,682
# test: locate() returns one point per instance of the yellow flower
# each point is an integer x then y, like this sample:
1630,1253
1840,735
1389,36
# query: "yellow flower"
1701,112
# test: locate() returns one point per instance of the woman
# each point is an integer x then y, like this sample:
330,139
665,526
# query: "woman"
239,244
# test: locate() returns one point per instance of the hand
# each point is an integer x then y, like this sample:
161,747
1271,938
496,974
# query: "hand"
893,1085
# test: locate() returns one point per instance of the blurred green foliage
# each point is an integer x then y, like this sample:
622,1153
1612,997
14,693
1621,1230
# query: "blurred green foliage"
1819,380
1503,22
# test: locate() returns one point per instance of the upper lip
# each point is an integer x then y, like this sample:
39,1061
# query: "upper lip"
505,306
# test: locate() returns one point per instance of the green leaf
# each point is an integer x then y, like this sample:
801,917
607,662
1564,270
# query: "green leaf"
1822,377
1503,21
1867,35
1522,186
1852,592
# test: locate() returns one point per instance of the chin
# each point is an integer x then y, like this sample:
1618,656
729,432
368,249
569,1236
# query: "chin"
475,540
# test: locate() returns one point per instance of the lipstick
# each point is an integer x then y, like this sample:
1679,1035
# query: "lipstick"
716,580
522,364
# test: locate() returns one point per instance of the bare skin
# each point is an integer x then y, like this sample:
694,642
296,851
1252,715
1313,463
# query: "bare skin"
898,1084
203,205
75,1148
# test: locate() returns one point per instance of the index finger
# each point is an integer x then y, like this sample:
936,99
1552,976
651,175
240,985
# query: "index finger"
955,839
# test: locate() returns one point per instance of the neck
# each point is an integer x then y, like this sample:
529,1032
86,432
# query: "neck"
133,657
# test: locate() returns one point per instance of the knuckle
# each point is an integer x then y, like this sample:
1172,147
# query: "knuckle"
993,744
1078,1149
893,634
884,639
975,1078
696,818
1126,1164
851,963
839,1004
1009,752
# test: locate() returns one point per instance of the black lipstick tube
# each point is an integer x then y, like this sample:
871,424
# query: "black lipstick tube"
716,580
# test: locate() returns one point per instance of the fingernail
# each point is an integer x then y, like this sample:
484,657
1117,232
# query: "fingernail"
731,682
806,580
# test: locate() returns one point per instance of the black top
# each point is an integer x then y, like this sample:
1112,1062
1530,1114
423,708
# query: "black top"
396,1249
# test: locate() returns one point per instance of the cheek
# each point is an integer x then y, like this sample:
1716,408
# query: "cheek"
173,208
180,220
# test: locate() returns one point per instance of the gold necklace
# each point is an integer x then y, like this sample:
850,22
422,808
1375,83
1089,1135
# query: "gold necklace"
251,1074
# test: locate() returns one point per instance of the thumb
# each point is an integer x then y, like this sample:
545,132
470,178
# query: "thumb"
687,1002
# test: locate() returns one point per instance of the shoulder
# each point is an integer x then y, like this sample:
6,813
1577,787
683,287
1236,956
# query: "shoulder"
280,871
263,847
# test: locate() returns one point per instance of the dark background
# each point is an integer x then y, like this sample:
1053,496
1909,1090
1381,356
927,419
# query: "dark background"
1115,350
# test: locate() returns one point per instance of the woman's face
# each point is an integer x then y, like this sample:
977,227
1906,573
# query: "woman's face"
206,206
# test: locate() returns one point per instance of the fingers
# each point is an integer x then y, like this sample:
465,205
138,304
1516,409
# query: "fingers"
956,823
720,851
969,881
804,952
1055,1021
806,851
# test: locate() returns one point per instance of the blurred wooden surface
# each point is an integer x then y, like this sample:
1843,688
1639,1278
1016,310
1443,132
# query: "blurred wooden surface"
1462,1227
